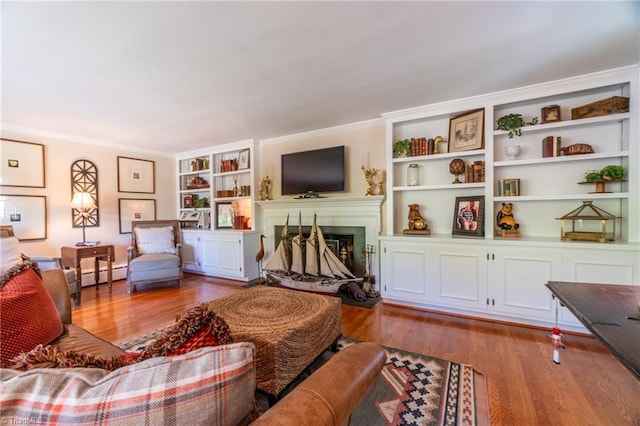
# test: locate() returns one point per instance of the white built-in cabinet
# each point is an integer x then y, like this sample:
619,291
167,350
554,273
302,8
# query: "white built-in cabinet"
219,245
227,254
501,278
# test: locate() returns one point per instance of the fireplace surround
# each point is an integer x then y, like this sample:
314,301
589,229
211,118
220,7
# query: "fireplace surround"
332,213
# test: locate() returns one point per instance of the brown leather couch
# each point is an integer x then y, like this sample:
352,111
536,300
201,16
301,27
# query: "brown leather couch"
327,397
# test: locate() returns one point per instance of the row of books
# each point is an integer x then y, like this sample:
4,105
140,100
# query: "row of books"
551,146
422,146
474,172
508,187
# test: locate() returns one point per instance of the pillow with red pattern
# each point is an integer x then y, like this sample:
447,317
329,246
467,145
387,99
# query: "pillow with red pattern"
28,314
204,387
197,328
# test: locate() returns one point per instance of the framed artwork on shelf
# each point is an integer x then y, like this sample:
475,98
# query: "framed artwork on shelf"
550,114
466,131
130,209
27,214
243,159
22,164
188,199
135,175
190,215
468,216
224,215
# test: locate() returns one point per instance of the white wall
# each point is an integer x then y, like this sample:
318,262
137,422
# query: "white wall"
59,155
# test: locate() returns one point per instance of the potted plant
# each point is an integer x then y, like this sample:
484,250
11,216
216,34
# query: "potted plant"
402,148
201,202
513,124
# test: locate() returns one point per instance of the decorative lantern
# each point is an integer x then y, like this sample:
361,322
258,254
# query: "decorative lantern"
589,223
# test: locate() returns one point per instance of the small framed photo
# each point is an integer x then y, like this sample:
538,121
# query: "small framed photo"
130,209
135,175
468,216
550,114
243,159
187,200
26,214
466,131
224,215
22,164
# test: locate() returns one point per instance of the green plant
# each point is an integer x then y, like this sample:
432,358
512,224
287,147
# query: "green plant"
592,176
402,148
513,124
610,172
200,202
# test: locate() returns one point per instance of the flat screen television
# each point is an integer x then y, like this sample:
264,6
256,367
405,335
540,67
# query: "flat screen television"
310,172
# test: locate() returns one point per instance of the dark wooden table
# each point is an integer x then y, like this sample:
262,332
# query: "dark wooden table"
72,257
606,310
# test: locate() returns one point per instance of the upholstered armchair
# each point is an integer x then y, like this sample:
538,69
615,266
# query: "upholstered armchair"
51,262
155,254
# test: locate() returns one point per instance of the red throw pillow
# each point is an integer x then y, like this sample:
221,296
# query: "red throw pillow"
27,313
197,328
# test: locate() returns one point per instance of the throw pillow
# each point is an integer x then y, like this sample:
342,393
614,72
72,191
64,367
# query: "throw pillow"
197,328
208,386
9,254
51,356
155,240
28,314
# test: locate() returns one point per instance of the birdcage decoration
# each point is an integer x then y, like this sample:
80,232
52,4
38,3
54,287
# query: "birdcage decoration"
589,223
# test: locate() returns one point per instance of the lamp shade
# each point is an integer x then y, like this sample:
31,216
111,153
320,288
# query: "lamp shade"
82,201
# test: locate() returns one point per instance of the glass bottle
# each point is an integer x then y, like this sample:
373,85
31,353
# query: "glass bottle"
412,175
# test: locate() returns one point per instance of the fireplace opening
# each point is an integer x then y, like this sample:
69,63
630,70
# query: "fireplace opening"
346,242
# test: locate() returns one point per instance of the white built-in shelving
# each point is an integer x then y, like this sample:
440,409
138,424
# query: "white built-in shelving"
504,278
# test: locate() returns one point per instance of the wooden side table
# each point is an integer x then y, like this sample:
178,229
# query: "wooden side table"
72,256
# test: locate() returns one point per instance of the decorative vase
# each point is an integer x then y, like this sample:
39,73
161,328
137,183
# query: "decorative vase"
512,151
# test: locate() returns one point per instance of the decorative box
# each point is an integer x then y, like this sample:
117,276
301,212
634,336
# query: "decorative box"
224,193
612,105
589,223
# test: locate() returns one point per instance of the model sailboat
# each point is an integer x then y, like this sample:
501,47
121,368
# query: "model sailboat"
307,265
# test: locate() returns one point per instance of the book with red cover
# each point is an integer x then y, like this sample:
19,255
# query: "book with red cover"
547,147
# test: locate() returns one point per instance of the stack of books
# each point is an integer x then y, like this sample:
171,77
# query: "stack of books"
508,187
551,146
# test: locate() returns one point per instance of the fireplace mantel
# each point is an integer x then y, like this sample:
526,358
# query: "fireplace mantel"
330,211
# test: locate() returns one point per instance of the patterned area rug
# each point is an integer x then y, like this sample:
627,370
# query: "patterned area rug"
412,389
415,389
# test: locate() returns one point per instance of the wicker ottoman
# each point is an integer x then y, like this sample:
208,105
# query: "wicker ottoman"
289,328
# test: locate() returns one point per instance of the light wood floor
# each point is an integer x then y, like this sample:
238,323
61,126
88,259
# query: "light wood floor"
589,387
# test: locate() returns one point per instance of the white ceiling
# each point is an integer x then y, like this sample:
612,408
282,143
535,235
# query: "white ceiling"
178,76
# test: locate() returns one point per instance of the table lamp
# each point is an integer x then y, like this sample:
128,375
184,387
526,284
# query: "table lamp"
82,201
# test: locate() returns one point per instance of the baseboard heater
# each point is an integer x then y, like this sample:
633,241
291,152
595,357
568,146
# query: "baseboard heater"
119,272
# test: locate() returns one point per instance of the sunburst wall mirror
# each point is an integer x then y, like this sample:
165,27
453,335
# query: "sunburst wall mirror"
84,178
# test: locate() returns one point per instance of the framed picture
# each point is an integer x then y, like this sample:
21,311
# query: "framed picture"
466,131
550,114
22,164
27,214
243,159
468,216
190,215
224,215
130,209
135,175
187,200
